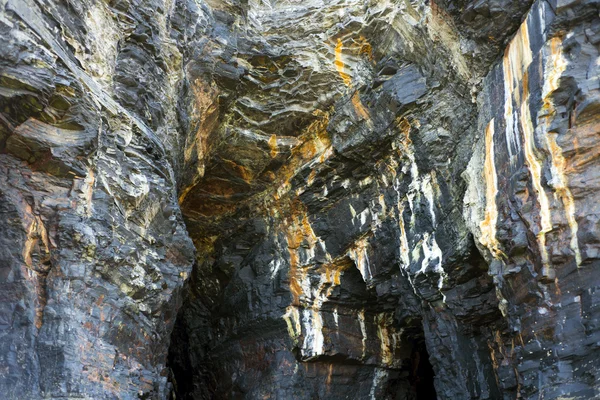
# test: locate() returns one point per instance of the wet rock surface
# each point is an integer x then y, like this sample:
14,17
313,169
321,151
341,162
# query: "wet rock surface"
282,199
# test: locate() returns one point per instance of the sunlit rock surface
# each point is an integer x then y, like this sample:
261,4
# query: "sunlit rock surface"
205,199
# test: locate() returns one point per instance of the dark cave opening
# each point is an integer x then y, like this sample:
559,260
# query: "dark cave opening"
195,372
193,380
188,378
181,376
199,370
422,375
417,372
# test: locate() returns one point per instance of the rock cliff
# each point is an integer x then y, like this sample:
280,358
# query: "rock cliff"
345,199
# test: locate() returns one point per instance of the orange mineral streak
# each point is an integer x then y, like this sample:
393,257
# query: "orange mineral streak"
404,126
273,146
36,254
494,360
555,67
359,108
315,144
185,192
535,168
329,373
339,63
488,225
517,57
36,233
205,117
562,190
311,177
516,60
299,233
389,339
240,170
301,243
365,48
331,275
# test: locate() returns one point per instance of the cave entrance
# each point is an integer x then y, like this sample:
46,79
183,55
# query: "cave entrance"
422,375
417,369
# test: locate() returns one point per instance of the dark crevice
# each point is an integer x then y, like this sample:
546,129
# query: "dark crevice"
422,374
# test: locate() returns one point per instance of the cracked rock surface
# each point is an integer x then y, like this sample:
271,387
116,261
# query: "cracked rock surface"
247,199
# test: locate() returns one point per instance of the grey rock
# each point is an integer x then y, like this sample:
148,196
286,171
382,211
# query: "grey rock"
208,199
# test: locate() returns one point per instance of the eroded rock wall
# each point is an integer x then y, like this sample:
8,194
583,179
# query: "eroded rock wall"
531,213
387,199
382,240
93,248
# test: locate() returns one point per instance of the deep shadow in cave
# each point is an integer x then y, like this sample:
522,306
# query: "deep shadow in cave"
422,372
417,375
190,382
199,370
196,372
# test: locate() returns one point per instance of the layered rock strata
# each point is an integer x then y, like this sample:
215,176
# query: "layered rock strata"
93,247
387,199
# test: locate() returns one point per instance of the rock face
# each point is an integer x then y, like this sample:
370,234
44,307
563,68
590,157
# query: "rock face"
299,199
93,248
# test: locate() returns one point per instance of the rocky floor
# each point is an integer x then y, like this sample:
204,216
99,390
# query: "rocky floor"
283,199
